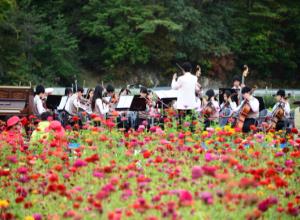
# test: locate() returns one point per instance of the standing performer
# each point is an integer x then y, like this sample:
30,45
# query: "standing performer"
236,83
247,111
38,107
280,111
186,85
211,108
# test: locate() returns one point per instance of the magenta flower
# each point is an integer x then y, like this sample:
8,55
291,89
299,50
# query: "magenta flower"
79,163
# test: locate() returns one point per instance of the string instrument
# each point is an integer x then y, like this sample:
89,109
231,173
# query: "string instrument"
277,115
227,103
114,99
244,75
243,113
209,109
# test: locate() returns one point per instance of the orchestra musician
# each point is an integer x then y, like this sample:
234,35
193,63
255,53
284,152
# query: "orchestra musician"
284,104
62,114
250,118
98,106
211,108
237,83
226,108
187,85
143,116
38,107
73,105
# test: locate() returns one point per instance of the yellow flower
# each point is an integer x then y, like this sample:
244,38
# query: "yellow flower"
205,133
227,128
4,203
218,129
29,218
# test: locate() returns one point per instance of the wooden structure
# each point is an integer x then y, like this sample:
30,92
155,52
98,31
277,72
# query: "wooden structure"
16,100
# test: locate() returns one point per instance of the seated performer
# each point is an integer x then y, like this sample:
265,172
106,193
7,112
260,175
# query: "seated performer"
98,106
143,116
226,108
110,92
281,102
73,105
211,108
186,85
254,105
38,107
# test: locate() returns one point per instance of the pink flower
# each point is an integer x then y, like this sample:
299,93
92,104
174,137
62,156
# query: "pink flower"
185,198
197,172
206,197
22,170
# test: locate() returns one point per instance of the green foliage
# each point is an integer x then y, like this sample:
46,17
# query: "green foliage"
50,41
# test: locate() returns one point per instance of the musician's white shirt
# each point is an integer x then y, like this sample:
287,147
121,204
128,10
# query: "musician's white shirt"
73,104
186,86
232,105
101,108
62,103
254,104
287,108
38,105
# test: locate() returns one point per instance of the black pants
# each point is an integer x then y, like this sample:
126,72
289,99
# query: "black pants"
182,115
280,125
247,124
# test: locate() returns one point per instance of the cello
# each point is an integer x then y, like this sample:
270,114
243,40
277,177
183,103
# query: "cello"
277,115
243,113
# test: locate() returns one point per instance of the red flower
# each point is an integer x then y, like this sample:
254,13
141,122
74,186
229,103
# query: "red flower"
147,154
294,130
267,203
92,159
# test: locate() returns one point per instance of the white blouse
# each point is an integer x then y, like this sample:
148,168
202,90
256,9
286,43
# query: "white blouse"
100,107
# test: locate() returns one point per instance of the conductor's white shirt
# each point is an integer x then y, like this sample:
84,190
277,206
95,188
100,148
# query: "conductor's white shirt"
186,86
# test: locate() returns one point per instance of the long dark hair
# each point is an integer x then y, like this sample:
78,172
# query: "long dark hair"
97,95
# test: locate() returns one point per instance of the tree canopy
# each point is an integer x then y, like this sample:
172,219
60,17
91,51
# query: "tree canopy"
51,41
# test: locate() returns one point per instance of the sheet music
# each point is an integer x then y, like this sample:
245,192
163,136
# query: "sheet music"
124,102
163,94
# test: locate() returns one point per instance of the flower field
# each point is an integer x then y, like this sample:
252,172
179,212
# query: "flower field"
155,174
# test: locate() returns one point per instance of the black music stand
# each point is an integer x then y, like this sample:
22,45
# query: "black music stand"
53,101
138,104
234,97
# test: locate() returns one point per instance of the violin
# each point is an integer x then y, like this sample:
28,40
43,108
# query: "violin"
277,115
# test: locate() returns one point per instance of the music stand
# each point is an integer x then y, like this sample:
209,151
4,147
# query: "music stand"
138,104
53,101
124,103
234,97
166,97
